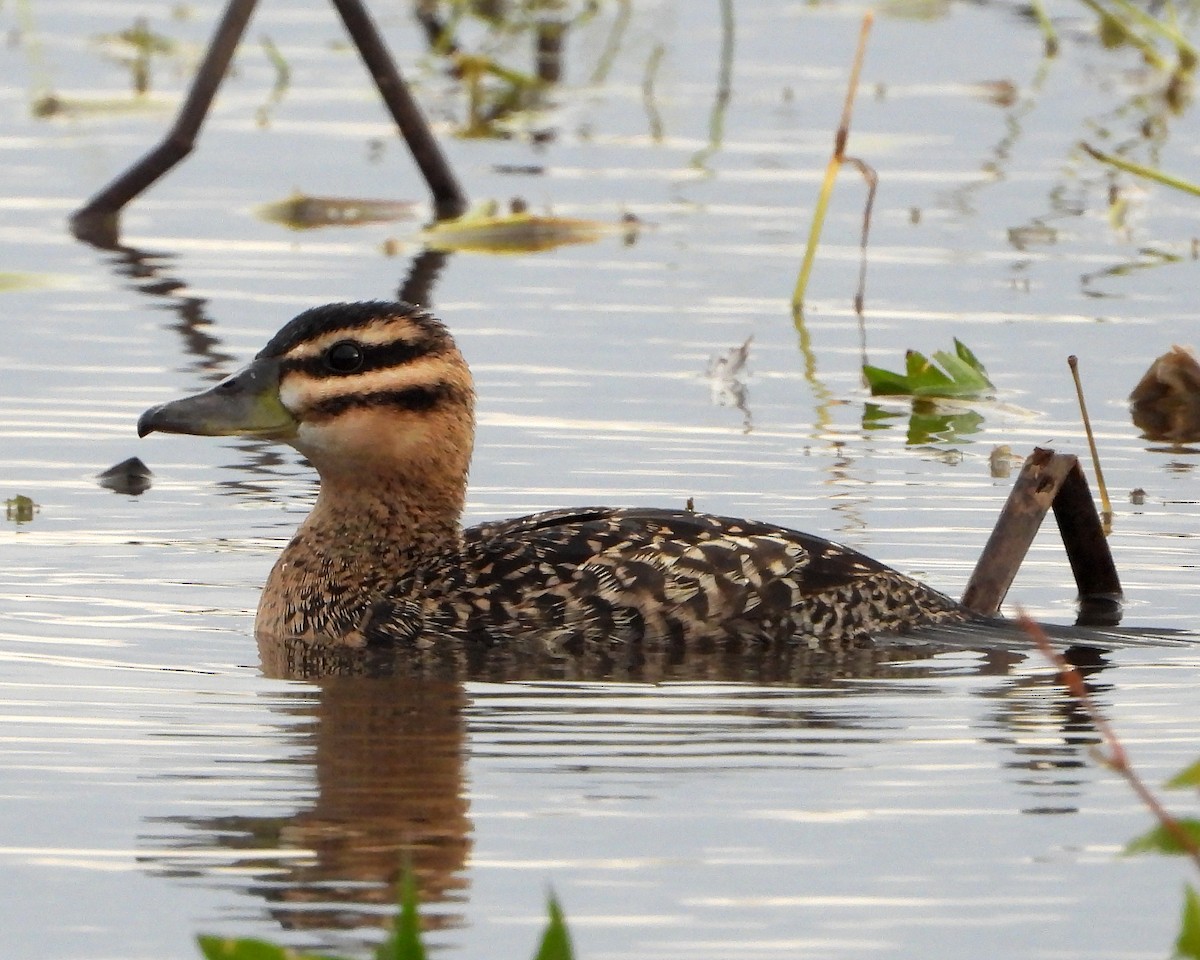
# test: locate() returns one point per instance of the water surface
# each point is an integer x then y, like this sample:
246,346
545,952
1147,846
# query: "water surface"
157,781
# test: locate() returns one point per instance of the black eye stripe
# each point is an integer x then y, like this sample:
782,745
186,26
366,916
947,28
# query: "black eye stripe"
374,357
413,398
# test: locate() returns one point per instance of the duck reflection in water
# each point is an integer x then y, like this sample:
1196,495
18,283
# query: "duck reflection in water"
386,751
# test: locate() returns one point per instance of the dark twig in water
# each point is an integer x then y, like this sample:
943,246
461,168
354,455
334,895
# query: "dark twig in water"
872,179
97,221
1049,480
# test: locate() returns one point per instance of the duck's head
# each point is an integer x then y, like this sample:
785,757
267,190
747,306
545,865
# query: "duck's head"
359,388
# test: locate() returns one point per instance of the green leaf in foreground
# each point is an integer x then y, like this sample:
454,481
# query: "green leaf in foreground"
959,376
1188,944
405,941
1187,777
404,944
1162,840
229,948
556,941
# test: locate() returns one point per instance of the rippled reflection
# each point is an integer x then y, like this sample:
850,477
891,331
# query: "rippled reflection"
381,765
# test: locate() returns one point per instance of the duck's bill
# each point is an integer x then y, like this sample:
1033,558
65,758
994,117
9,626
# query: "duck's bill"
246,404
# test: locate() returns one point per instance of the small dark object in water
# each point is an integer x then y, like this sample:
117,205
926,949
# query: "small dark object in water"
522,169
303,212
129,476
1166,402
20,509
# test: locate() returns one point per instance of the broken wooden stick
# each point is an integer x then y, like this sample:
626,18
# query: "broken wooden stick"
1048,481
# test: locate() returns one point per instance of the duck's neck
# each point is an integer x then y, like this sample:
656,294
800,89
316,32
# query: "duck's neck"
365,535
381,522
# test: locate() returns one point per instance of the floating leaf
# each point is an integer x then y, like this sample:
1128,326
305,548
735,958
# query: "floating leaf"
520,232
1187,777
556,940
226,948
20,509
960,376
1188,944
302,212
1162,840
885,382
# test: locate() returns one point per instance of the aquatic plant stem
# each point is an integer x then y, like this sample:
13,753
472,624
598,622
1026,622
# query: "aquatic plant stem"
831,169
716,120
1049,35
1105,504
1137,169
1113,755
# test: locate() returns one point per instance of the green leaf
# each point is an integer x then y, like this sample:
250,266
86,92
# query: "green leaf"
967,355
965,379
556,941
1187,777
885,382
1161,840
405,941
1188,943
957,375
924,378
229,948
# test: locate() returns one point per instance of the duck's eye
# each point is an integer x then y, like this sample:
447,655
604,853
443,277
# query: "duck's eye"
345,356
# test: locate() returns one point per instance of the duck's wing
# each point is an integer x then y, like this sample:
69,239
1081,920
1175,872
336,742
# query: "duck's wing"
636,572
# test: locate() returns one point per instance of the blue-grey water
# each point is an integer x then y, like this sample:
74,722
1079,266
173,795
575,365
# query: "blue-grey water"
157,782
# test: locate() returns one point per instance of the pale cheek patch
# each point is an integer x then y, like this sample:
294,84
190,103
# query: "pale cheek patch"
362,437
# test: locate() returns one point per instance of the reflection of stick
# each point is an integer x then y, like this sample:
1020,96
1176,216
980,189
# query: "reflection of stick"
1105,503
831,170
716,120
1115,759
656,126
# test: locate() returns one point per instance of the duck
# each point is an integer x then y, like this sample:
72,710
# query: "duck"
379,399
